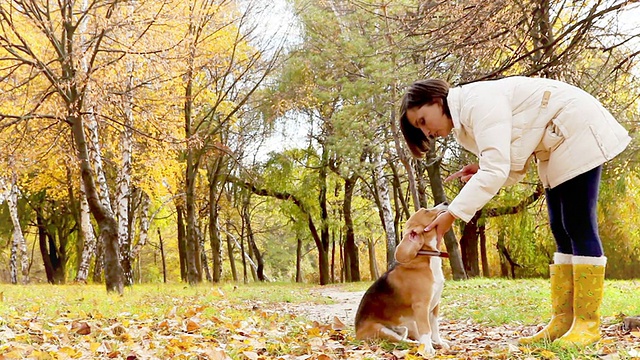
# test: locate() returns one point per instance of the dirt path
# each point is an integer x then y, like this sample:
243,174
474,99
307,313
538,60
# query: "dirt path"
343,305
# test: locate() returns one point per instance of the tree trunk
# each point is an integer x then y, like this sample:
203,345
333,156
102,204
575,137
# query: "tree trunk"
19,245
59,264
164,262
351,250
214,233
402,208
333,259
323,244
192,248
252,244
181,244
106,222
144,224
123,181
343,267
299,260
504,267
47,259
88,238
439,196
99,260
385,210
230,247
469,247
486,272
192,245
243,255
203,254
95,156
373,264
215,242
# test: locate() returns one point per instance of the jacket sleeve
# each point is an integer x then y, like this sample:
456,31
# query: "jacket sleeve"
516,176
491,121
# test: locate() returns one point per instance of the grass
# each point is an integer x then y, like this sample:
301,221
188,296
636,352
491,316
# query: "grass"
150,299
522,301
236,314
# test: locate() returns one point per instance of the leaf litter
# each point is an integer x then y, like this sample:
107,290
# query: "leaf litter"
223,329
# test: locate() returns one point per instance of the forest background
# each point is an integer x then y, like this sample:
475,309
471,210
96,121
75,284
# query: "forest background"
137,137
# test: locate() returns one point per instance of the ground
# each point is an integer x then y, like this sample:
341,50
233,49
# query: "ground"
469,340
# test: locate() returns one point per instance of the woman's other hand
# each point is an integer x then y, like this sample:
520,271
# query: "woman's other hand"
464,174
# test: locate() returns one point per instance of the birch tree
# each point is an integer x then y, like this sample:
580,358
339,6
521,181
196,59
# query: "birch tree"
88,238
51,55
19,261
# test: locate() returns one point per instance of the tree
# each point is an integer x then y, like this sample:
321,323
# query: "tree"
61,85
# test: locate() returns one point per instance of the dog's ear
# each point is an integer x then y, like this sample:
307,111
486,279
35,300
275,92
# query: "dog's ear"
408,248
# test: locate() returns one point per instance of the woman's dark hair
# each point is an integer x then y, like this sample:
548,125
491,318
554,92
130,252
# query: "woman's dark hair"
421,92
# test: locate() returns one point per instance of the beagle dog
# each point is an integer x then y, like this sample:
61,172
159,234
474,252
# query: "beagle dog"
403,303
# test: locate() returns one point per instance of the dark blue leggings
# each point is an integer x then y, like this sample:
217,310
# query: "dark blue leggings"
572,209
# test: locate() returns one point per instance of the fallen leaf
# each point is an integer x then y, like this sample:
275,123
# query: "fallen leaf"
216,354
192,326
80,328
250,355
118,330
337,324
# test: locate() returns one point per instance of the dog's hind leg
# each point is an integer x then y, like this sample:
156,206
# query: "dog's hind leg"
391,335
372,330
403,331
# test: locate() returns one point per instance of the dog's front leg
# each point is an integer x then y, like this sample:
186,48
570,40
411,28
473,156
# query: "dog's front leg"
421,314
435,329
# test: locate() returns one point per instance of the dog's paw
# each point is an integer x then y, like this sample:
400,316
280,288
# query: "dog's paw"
428,345
427,350
443,344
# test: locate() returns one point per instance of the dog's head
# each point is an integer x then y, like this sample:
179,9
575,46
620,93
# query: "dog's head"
414,238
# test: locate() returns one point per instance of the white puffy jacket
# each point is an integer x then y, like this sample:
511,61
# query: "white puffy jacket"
507,122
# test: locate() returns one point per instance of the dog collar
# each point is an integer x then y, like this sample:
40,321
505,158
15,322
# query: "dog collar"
433,253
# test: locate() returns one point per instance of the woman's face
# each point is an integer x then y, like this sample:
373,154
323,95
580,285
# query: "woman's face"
431,119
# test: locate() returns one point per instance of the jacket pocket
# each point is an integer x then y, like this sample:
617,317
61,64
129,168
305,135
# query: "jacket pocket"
551,139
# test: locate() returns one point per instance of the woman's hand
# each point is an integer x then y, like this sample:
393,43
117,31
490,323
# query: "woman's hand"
441,224
464,174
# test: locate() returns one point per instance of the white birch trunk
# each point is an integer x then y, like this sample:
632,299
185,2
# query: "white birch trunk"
144,224
123,193
95,154
86,229
95,157
19,244
382,186
5,194
123,198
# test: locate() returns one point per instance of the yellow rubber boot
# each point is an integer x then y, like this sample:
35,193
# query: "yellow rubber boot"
561,276
588,285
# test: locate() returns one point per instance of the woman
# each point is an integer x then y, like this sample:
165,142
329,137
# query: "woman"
507,123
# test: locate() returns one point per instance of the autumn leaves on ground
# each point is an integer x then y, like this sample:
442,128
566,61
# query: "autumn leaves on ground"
480,318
